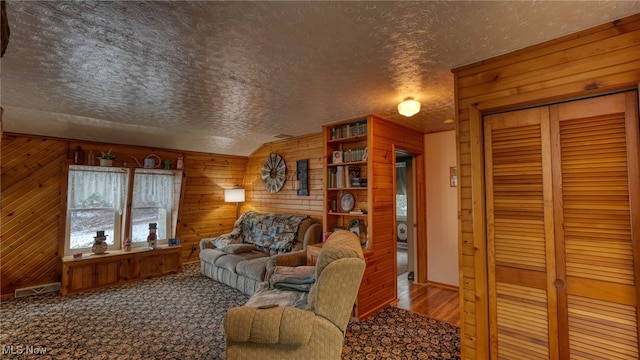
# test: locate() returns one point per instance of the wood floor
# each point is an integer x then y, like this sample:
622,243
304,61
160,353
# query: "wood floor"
434,301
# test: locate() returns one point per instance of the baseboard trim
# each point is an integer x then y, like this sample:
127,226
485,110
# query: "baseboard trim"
443,285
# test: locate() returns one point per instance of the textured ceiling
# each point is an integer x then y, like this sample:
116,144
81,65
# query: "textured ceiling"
226,77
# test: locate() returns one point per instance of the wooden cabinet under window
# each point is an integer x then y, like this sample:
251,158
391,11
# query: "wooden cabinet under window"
563,226
98,271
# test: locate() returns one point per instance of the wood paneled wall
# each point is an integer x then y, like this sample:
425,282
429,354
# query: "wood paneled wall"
286,200
599,60
379,283
33,215
203,212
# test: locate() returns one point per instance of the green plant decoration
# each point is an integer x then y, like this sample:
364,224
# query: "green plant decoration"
109,155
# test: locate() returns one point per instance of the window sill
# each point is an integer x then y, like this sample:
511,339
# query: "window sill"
112,253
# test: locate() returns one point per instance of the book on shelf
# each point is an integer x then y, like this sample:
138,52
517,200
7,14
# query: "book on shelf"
340,183
344,176
348,155
354,176
348,130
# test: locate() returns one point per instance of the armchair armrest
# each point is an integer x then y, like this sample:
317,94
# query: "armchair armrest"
312,235
278,325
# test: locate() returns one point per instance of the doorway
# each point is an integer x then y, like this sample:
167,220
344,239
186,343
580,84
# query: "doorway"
405,216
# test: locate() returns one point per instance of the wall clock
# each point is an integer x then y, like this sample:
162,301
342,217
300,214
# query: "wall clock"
274,173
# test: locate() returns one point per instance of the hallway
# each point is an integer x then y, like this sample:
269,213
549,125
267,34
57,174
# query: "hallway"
436,301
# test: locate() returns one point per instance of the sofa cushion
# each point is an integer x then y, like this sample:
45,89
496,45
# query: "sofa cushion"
229,261
211,255
253,269
238,248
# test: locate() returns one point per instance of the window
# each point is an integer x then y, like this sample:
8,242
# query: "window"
401,189
96,199
155,197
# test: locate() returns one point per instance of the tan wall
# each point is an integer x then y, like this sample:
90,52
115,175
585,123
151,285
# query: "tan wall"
595,61
442,208
33,214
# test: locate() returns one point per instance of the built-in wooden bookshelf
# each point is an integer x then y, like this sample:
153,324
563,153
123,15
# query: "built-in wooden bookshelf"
346,175
368,145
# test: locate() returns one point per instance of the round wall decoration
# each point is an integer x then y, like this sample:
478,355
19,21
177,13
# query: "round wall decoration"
274,173
347,202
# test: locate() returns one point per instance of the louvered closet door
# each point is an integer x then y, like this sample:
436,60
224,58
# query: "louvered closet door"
563,226
597,225
520,235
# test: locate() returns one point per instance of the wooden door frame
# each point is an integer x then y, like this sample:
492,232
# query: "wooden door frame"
478,243
419,189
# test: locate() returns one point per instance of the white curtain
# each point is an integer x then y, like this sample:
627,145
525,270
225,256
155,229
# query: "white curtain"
161,189
97,187
96,200
153,189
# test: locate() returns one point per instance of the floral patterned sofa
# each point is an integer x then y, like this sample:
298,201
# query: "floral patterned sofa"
239,258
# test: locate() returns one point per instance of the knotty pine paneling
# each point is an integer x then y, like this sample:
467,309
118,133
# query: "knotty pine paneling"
286,200
31,189
33,186
594,61
203,212
379,284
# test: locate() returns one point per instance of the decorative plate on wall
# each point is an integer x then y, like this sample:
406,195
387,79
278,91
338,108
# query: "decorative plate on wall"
274,173
347,202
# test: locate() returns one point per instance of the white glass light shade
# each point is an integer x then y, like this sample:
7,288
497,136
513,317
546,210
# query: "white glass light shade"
409,107
234,195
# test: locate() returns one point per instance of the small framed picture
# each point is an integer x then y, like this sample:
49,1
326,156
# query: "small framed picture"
174,242
337,157
453,176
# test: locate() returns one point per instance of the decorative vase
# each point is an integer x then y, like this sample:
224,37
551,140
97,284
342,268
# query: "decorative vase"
99,245
78,156
106,162
91,159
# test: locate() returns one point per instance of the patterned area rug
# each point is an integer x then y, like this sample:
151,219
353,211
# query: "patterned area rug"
394,333
180,317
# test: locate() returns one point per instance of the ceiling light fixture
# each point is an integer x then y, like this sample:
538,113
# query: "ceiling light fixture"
409,107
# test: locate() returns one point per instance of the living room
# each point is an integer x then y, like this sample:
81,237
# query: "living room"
34,179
